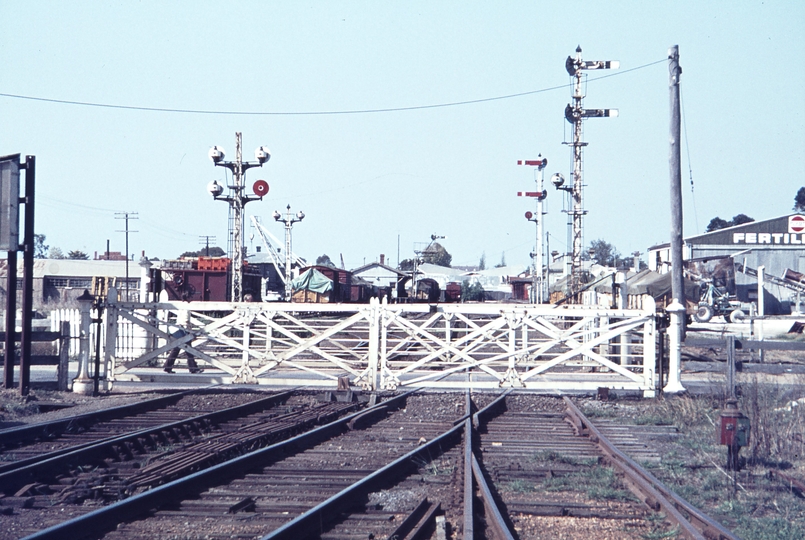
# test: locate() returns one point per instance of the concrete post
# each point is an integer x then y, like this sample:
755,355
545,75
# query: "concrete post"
374,341
761,303
145,279
83,384
677,312
761,284
622,303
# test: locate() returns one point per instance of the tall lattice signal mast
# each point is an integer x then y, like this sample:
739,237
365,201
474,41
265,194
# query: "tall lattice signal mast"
575,114
237,199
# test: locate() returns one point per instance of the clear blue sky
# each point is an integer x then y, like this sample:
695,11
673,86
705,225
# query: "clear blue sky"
365,179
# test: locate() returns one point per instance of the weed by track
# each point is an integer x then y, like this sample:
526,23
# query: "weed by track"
749,502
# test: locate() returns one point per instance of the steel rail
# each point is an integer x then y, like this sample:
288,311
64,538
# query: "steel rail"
30,432
414,525
494,518
696,524
310,522
207,452
469,492
106,518
13,479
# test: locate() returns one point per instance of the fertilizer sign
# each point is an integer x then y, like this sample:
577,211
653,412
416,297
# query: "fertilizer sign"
796,224
795,234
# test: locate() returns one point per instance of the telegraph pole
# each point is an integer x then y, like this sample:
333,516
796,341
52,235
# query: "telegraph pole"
677,308
205,241
127,216
677,283
575,114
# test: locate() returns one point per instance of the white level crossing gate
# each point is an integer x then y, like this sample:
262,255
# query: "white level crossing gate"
383,346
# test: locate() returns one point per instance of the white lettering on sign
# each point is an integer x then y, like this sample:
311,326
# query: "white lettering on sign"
768,238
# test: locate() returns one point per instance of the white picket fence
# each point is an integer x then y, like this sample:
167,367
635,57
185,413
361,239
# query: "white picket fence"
127,333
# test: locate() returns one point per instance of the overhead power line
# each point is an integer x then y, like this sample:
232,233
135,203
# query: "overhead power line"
316,113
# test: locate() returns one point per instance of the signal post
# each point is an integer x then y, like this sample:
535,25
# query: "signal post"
538,284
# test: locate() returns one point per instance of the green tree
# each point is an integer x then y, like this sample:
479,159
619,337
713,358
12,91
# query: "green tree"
740,219
56,253
215,251
482,262
604,253
472,293
324,260
436,254
717,223
77,255
40,248
799,200
406,265
502,262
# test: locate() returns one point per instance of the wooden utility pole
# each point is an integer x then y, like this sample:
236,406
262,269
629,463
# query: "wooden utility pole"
677,283
127,216
677,308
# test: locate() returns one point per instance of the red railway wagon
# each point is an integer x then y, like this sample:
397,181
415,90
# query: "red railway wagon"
202,280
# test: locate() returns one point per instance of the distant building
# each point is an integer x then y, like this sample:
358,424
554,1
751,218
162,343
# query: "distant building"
731,257
63,280
385,279
110,256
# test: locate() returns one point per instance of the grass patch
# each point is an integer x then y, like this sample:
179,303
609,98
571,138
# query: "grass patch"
521,486
766,528
693,464
599,483
434,467
659,528
557,457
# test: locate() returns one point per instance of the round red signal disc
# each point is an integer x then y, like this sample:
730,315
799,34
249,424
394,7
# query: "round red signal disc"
529,215
260,188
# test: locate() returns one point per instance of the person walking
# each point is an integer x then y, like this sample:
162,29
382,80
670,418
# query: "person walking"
174,354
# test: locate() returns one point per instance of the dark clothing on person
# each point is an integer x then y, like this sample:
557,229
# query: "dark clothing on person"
191,360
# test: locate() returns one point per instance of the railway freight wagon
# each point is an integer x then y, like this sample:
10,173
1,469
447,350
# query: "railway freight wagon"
202,279
429,291
346,288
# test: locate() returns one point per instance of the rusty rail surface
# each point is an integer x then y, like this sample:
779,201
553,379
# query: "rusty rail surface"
693,523
414,526
494,518
219,448
108,517
497,523
46,430
310,521
31,469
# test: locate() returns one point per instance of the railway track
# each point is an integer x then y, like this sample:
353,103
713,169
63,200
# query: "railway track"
143,450
412,466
